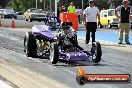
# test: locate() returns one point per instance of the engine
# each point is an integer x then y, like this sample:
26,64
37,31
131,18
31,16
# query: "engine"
67,37
42,45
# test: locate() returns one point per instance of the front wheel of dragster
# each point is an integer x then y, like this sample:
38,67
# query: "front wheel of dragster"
96,52
54,53
29,45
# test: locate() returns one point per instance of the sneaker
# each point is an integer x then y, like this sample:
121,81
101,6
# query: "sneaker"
119,42
86,42
127,42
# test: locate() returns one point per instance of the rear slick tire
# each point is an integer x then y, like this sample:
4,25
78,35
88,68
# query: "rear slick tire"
29,45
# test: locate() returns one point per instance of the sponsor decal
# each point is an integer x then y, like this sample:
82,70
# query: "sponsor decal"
83,78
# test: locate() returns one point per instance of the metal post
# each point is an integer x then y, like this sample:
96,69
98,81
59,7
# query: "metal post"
82,4
55,7
44,5
36,4
50,5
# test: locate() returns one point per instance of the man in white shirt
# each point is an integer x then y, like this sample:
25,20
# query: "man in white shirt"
90,15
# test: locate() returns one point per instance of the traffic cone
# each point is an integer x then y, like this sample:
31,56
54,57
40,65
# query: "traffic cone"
13,24
0,23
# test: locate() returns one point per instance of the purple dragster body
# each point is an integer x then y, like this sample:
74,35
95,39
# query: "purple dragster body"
44,31
59,42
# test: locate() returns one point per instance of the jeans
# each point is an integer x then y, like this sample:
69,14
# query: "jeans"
91,28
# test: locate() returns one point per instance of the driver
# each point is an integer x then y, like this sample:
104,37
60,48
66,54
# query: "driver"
52,22
67,33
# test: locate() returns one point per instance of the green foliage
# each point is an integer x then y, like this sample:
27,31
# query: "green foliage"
99,3
3,3
102,4
22,5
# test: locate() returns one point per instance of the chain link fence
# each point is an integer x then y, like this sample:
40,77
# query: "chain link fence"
49,7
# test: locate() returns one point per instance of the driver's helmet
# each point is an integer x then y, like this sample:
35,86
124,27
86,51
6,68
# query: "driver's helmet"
66,25
52,22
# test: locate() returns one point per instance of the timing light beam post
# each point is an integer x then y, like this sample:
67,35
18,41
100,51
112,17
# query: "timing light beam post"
56,7
36,4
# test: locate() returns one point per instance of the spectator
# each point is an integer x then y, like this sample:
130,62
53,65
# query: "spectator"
78,11
71,8
63,9
124,25
103,8
90,21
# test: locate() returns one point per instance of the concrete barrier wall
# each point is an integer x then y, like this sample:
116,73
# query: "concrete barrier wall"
20,23
20,17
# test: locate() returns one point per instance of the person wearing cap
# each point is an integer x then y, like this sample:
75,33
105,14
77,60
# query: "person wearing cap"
90,15
63,9
123,12
71,8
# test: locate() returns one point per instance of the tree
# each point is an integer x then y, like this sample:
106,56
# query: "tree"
22,5
102,4
3,3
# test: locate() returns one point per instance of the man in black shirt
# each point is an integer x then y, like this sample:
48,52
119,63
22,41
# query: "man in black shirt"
124,24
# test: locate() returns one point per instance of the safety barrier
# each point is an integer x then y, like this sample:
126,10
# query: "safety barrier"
70,17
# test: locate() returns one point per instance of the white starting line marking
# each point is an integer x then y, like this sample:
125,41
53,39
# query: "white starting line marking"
4,85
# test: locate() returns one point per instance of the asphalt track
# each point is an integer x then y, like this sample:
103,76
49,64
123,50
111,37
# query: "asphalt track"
116,59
